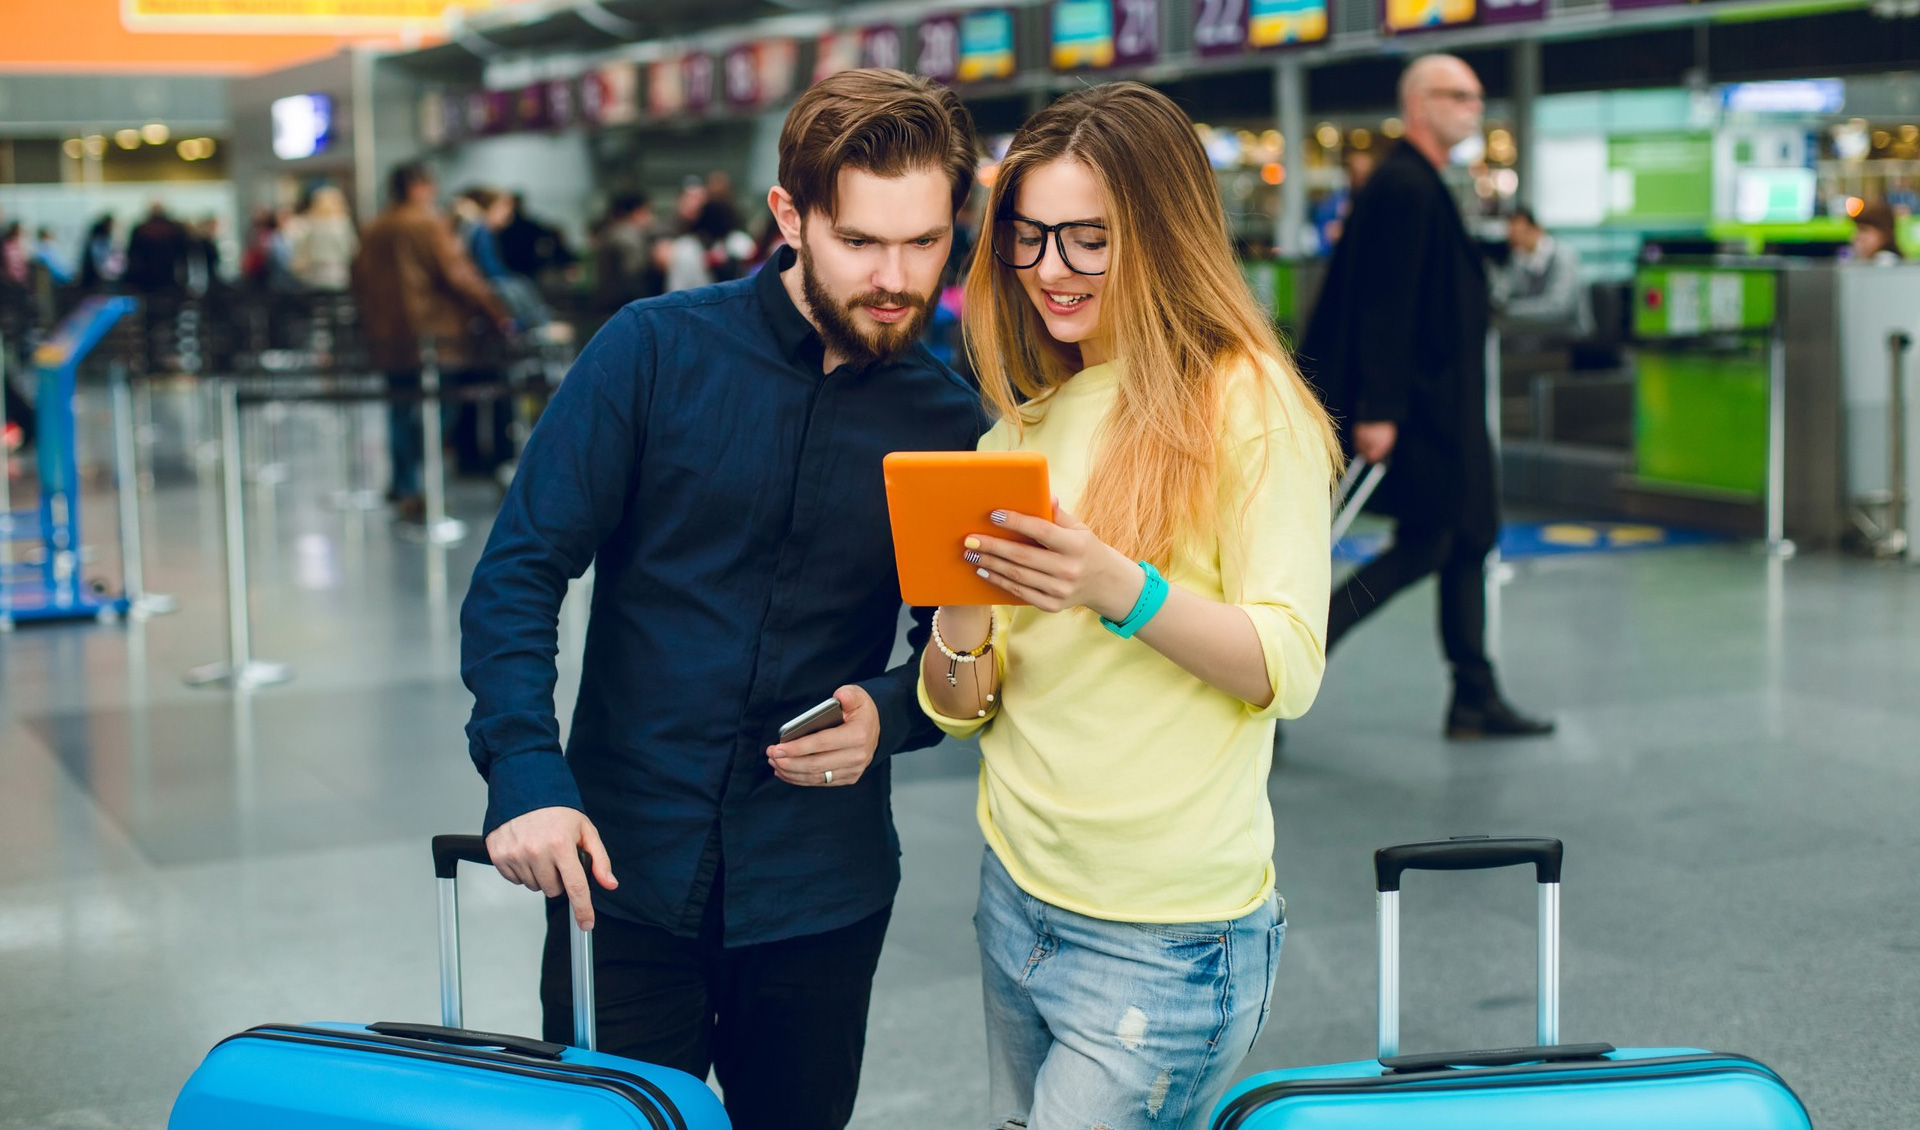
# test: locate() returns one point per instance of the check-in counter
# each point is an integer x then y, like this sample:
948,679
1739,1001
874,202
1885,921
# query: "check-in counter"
1762,393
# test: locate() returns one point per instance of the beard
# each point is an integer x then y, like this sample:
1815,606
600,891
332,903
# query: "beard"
861,346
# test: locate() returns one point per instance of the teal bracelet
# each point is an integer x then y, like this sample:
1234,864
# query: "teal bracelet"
1145,608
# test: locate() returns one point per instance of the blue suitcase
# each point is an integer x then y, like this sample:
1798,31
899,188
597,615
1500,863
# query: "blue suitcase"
438,1077
1563,1086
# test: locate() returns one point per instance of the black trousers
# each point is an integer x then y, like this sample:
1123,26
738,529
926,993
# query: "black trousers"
1460,558
783,1025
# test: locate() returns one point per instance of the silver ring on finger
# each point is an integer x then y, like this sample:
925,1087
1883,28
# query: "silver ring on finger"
827,777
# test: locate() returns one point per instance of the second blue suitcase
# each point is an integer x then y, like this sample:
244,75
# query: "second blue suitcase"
438,1077
1563,1086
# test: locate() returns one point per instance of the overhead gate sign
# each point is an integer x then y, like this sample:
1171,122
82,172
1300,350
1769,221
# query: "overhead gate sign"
293,17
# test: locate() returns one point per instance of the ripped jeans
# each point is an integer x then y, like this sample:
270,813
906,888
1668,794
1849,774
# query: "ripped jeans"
1097,1025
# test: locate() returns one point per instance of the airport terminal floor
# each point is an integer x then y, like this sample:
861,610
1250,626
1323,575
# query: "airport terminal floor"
1735,777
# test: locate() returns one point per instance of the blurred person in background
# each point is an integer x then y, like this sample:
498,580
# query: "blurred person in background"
47,254
324,243
1397,346
100,260
16,257
413,281
682,255
266,264
157,254
1874,240
624,267
1540,290
530,248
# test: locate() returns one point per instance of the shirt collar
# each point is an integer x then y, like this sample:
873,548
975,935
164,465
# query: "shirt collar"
790,327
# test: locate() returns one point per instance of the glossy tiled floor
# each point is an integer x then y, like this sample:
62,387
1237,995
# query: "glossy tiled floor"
1737,777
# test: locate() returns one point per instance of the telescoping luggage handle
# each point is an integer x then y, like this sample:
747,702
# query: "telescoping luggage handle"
1350,497
1469,853
449,852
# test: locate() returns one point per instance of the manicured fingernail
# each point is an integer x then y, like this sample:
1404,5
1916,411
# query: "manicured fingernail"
998,517
973,543
983,574
972,557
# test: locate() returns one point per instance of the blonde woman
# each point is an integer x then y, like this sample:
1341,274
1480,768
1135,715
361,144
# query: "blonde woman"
1176,605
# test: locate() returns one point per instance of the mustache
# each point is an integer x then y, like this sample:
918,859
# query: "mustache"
890,298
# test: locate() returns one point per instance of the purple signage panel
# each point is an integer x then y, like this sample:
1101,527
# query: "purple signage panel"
1512,11
696,72
881,46
740,72
1219,27
939,54
1136,32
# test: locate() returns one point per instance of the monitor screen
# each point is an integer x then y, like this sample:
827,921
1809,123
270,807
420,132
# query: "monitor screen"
302,126
1774,196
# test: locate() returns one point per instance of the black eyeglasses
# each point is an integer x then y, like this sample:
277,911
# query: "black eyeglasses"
1021,243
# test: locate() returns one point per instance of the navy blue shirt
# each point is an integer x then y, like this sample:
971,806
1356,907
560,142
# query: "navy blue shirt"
729,494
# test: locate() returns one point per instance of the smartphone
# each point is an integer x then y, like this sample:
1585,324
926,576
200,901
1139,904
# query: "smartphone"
822,717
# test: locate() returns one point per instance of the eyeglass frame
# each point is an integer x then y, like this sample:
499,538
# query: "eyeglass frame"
1059,243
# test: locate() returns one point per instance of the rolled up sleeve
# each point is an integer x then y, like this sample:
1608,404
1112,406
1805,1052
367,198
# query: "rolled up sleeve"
1276,556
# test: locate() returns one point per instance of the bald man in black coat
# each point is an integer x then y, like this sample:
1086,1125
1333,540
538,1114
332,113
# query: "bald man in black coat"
1397,347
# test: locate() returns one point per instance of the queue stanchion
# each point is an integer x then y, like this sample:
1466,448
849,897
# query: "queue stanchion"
141,604
354,494
440,529
241,671
1777,544
6,513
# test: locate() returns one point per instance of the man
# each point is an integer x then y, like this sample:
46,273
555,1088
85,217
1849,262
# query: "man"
157,254
715,454
1540,288
412,281
530,248
624,270
1397,346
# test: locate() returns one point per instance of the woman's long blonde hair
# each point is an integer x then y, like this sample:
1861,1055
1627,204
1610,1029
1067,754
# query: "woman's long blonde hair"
1176,310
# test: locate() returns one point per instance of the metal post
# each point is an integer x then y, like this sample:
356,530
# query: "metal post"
1777,543
141,604
241,671
1290,100
1389,973
1496,572
1896,538
1549,1003
586,1028
440,529
451,1011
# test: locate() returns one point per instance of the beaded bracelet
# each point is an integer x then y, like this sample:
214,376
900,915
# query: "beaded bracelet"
956,658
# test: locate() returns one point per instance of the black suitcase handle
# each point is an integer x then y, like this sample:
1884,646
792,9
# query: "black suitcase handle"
1467,853
468,1038
449,852
1503,1057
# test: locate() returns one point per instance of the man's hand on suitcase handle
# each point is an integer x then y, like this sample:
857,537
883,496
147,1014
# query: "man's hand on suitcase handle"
541,851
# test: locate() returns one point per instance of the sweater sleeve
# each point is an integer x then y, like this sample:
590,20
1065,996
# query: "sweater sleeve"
1275,556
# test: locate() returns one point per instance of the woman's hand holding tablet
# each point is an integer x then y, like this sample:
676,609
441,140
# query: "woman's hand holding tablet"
937,499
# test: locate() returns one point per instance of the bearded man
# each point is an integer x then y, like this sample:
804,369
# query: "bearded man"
716,455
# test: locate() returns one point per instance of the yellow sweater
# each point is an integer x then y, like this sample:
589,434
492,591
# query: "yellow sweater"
1113,783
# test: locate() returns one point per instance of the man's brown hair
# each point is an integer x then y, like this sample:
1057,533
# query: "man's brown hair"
883,122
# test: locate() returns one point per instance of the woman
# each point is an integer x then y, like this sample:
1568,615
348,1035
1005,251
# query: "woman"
1176,604
325,242
1874,240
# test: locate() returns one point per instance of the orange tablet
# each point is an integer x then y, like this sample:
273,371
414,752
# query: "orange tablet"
935,499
